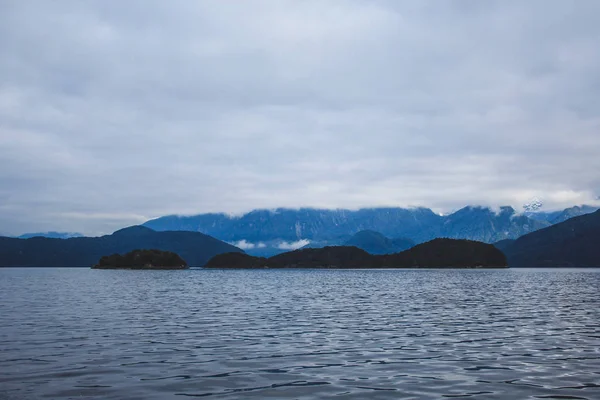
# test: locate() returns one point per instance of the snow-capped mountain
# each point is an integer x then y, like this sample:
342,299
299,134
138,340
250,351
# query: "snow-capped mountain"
534,205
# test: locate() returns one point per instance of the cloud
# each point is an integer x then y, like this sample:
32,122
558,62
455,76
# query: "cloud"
293,245
245,245
140,109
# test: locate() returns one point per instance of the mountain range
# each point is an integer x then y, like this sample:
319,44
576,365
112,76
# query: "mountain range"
194,247
564,238
51,234
269,232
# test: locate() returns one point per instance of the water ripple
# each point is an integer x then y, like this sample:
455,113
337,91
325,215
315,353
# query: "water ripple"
303,334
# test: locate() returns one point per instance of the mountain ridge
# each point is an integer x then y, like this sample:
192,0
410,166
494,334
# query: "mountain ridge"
194,247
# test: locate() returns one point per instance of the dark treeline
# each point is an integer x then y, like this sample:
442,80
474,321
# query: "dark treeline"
438,253
143,259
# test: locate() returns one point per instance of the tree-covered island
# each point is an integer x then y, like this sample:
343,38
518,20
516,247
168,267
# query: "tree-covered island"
142,259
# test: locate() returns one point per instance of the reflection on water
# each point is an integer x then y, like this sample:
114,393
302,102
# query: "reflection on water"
302,334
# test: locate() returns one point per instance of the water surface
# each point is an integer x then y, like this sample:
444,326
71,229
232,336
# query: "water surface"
301,334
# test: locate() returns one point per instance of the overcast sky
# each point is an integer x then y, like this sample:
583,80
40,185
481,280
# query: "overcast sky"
114,112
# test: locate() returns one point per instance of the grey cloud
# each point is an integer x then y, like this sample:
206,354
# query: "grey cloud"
293,245
245,245
113,112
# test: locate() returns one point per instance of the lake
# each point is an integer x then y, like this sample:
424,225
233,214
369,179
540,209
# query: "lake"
301,334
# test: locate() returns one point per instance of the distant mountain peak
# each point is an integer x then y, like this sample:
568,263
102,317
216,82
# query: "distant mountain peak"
134,230
507,210
368,232
51,234
376,243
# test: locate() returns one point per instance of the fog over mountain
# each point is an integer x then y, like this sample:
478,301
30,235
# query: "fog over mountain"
116,112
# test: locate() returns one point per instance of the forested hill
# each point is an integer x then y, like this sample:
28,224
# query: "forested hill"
194,247
573,243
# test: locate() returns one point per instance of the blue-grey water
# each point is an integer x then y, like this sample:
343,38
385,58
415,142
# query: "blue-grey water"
299,334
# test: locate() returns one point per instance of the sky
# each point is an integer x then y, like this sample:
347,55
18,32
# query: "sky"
115,112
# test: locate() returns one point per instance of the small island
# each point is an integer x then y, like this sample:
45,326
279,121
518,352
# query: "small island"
437,253
142,259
